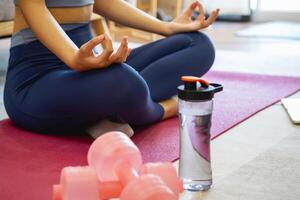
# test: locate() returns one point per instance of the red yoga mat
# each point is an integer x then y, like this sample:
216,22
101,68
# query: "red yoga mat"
30,163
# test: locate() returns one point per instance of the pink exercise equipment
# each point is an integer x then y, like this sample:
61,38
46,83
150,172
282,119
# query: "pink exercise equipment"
80,183
116,158
116,170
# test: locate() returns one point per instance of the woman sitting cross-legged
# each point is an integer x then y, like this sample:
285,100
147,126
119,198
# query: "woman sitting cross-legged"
58,83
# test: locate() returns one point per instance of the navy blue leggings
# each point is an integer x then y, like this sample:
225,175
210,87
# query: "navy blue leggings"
43,95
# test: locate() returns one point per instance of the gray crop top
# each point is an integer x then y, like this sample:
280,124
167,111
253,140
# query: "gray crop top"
26,35
65,3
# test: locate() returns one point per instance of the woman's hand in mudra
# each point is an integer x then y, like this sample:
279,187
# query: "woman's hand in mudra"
85,58
184,22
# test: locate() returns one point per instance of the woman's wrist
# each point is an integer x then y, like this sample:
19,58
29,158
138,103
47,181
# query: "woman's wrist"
72,60
174,28
167,29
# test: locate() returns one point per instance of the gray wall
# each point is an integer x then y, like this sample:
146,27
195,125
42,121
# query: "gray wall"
6,13
6,10
4,53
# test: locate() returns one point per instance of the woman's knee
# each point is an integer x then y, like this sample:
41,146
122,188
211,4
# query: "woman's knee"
202,49
133,88
202,41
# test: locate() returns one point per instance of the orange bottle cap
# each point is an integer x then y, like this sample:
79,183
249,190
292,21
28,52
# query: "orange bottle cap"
192,79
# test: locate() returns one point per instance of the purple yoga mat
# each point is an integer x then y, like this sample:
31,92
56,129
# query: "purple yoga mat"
244,95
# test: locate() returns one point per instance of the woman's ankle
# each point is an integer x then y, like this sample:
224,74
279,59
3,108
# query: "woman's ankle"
170,107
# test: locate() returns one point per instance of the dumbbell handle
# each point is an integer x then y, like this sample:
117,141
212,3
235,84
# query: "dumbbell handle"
126,173
110,189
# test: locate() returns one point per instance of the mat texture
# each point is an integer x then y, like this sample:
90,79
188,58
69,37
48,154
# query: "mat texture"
286,30
30,163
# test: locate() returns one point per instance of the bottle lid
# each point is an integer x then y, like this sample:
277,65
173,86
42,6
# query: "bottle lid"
198,92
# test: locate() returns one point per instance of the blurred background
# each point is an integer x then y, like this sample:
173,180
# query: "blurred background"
245,28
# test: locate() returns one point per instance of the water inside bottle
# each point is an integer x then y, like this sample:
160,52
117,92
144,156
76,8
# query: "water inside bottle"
194,165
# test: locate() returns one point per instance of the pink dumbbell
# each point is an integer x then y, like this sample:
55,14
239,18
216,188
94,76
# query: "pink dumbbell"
116,158
81,183
167,172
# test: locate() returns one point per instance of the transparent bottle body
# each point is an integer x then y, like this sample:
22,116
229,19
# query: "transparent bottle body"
194,162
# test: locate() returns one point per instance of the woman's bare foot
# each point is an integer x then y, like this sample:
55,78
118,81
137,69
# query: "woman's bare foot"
105,126
170,107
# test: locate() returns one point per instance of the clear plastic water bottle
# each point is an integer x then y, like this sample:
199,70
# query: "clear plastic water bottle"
195,111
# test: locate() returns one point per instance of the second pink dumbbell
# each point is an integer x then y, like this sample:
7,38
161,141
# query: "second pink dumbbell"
81,183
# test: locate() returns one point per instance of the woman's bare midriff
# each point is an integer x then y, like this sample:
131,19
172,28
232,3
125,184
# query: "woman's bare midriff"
62,15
